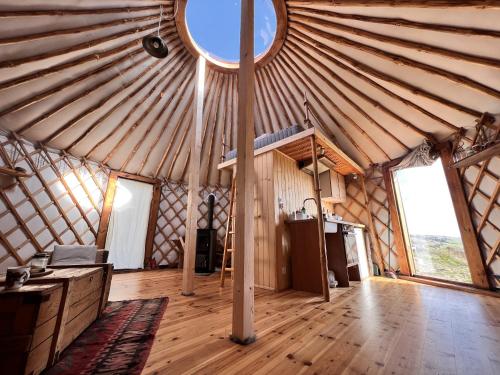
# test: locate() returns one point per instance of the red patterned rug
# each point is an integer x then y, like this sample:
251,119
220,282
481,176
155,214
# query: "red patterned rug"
117,343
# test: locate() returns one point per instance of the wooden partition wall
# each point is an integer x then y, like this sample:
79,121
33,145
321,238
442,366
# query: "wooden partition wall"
280,189
59,204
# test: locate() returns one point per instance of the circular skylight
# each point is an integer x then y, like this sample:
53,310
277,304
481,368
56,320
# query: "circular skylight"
214,26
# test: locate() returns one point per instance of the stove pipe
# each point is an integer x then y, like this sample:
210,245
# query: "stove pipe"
211,202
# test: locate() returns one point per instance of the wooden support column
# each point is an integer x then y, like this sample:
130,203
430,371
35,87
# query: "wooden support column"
403,256
194,180
153,218
473,254
243,283
371,228
321,225
102,232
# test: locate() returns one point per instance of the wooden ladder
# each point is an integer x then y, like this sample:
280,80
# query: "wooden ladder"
229,238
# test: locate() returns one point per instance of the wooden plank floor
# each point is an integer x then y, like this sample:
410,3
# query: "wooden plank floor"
381,326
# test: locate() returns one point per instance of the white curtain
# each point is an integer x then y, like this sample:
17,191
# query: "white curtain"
128,224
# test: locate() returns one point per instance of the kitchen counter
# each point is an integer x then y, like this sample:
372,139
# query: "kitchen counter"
335,221
343,253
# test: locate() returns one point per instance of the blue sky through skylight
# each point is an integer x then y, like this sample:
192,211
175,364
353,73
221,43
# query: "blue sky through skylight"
214,25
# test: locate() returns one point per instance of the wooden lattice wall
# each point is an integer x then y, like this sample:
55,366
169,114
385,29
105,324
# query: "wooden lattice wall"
59,204
354,209
172,217
481,186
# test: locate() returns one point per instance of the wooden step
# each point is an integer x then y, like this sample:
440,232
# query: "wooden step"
230,269
230,250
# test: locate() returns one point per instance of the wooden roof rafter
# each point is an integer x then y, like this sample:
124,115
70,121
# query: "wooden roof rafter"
378,113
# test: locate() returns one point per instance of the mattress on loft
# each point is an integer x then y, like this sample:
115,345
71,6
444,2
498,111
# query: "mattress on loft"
267,139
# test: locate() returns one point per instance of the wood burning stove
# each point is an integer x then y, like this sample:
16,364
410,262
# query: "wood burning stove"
206,241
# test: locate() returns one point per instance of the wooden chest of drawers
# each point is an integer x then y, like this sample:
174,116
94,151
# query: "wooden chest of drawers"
28,328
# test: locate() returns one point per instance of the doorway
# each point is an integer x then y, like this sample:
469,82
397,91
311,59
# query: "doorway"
430,223
128,224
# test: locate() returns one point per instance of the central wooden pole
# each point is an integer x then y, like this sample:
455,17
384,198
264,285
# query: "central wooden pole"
243,283
194,181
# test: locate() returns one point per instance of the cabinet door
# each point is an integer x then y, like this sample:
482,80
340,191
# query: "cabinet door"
337,187
332,187
341,188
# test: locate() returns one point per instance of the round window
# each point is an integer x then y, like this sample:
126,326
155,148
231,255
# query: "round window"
214,28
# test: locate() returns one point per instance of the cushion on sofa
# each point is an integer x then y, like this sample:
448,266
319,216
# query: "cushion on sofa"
73,254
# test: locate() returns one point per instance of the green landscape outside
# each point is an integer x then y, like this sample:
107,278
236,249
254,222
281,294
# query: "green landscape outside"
440,257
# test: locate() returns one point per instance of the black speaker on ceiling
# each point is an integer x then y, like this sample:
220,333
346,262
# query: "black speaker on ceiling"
155,46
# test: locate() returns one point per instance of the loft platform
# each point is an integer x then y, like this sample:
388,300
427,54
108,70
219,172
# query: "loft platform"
297,147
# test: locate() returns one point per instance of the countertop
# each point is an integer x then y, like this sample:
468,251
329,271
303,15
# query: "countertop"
329,221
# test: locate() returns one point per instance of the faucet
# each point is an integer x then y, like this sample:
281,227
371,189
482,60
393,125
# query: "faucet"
308,199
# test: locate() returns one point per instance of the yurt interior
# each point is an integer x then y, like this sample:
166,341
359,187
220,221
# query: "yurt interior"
249,187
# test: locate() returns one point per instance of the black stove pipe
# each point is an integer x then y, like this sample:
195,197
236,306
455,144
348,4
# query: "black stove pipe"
211,202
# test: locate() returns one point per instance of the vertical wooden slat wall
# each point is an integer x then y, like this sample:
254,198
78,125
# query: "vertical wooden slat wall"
40,211
277,180
265,235
292,187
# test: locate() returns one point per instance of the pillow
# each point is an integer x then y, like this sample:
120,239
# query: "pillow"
73,254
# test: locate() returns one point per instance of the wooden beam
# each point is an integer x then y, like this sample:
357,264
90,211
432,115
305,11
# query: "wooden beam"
404,259
78,47
381,75
321,225
374,239
397,59
73,12
401,3
489,208
153,217
106,211
477,158
401,22
418,46
71,194
473,254
494,250
243,285
194,181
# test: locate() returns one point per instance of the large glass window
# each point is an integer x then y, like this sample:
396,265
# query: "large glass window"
425,204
